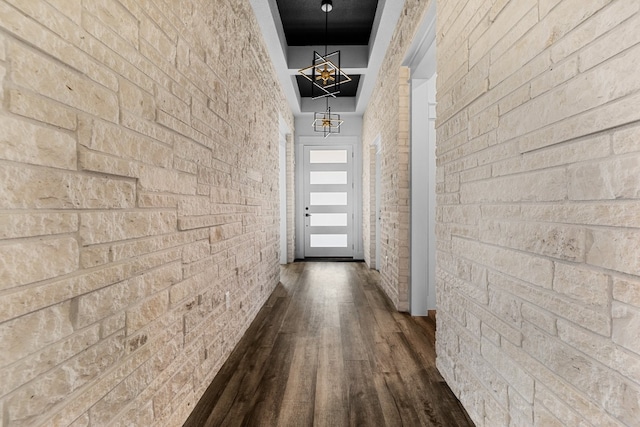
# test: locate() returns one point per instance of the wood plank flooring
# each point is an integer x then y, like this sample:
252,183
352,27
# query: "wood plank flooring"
328,349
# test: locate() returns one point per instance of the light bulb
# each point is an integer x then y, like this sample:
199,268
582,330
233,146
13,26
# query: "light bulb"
326,6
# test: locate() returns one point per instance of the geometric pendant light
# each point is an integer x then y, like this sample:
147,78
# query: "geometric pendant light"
326,77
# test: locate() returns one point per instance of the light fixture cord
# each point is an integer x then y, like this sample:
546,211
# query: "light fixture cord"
326,26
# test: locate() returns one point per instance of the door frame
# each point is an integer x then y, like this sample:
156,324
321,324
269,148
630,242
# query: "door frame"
311,210
377,145
421,59
283,130
356,146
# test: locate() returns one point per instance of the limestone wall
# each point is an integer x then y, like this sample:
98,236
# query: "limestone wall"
137,189
387,118
538,212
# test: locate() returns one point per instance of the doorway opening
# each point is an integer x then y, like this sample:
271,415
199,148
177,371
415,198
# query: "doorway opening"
422,62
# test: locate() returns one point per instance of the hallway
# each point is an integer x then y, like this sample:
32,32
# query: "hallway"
328,349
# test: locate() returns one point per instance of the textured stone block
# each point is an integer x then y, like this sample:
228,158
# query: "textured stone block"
614,249
41,109
113,140
611,115
196,251
97,162
540,318
564,392
50,79
193,206
502,16
577,96
595,213
505,306
609,18
101,227
611,179
69,9
26,300
157,179
44,26
136,100
103,303
116,17
601,349
589,148
36,188
514,100
113,324
626,326
24,142
595,380
597,320
33,332
38,362
627,291
550,410
545,239
520,410
27,262
532,187
621,37
515,375
3,52
37,224
30,403
147,311
533,269
627,140
172,105
588,286
557,75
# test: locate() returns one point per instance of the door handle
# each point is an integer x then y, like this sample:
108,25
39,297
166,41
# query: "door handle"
307,214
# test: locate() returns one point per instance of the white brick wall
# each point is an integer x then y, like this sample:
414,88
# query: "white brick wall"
133,195
538,145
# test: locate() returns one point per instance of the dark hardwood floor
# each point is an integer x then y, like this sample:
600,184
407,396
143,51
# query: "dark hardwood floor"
328,349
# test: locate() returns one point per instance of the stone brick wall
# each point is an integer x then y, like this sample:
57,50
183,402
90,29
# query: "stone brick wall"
133,197
387,117
538,234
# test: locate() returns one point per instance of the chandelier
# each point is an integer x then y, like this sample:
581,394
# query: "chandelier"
325,76
327,122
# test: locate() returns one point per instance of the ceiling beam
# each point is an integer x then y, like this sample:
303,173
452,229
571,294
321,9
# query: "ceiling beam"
350,56
288,59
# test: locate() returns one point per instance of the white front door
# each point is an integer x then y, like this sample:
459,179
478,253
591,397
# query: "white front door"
328,201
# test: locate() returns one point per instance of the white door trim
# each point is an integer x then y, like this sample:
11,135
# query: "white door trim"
301,141
377,144
282,188
421,59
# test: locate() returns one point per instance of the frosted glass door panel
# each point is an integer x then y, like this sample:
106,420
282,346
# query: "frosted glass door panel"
328,156
328,220
328,177
328,199
328,240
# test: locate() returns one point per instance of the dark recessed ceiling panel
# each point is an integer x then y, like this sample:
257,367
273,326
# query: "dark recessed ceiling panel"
349,23
346,89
